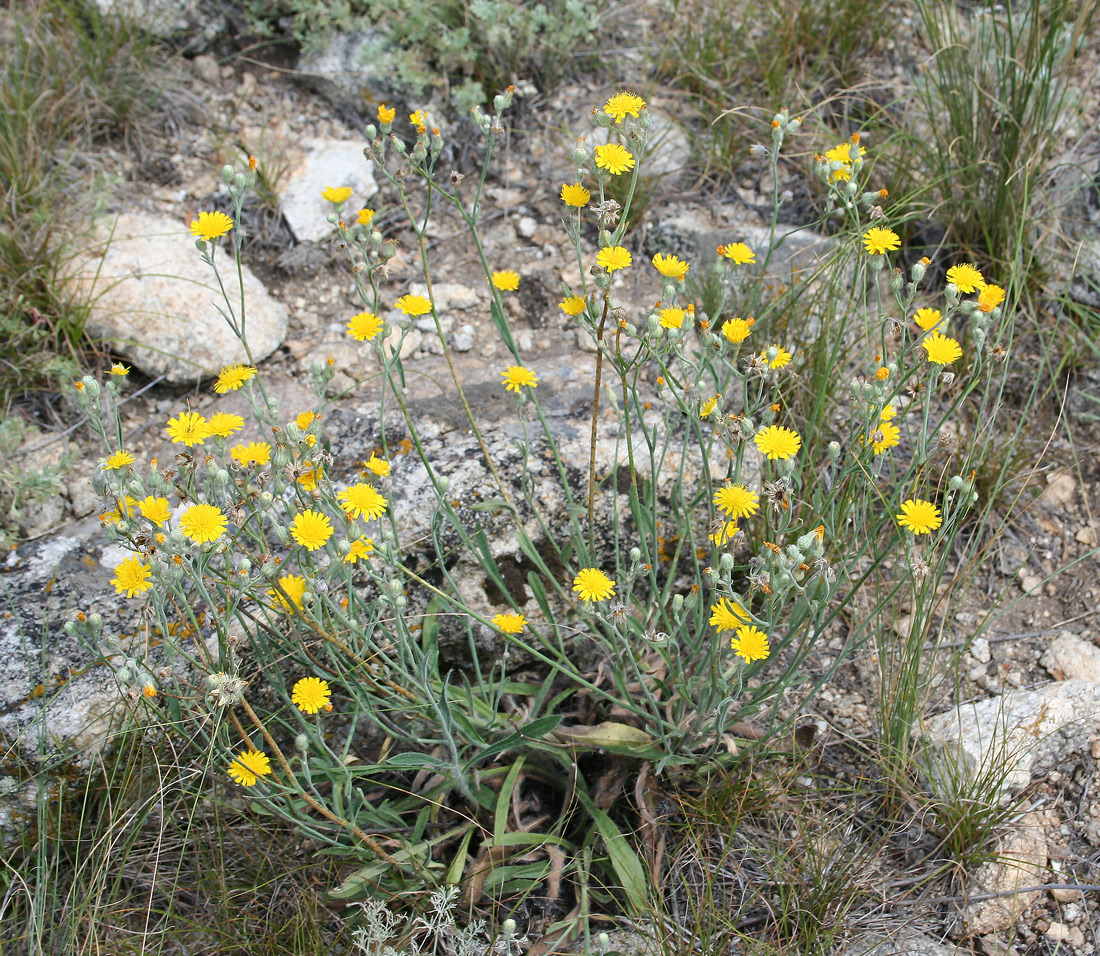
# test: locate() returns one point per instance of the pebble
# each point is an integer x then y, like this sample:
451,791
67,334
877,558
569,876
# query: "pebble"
526,227
463,340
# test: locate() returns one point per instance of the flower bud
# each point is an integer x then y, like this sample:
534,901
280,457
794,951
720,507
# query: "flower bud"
228,174
301,743
635,555
725,562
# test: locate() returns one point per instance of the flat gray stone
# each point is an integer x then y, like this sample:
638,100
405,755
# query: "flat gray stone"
326,162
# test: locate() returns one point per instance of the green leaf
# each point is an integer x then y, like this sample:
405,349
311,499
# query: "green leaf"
417,761
628,868
504,801
534,730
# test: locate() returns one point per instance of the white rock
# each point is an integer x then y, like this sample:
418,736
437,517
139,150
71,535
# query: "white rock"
979,650
1070,658
1021,862
1061,490
409,345
463,340
156,302
448,295
526,227
327,162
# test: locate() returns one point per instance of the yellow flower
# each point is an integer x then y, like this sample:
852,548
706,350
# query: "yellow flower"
149,690
670,266
364,326
233,377
119,369
966,278
295,587
706,409
417,118
211,225
782,357
202,522
361,549
516,376
671,318
887,435
304,419
736,501
775,441
311,529
125,508
155,510
941,349
132,577
737,329
593,585
414,305
990,297
882,373
224,424
361,500
928,319
919,516
119,459
880,241
575,195
310,694
365,217
574,305
622,105
888,413
254,453
379,466
510,623
308,479
750,644
249,766
385,114
738,253
614,158
335,194
613,258
725,533
507,280
727,615
190,428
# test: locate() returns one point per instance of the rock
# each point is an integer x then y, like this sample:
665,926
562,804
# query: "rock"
1005,739
980,650
1086,536
327,162
206,67
194,20
526,227
1076,271
1021,862
341,69
409,344
448,295
463,340
155,302
667,148
1061,490
1070,658
905,941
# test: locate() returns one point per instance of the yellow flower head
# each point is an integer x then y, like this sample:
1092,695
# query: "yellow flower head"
736,501
364,326
507,280
706,408
365,217
379,466
304,419
613,258
155,510
574,305
295,587
311,529
119,459
737,329
335,194
919,516
880,241
882,373
725,532
671,318
782,357
990,297
516,376
510,623
310,694
418,118
750,644
966,278
887,435
125,508
203,522
575,195
254,453
622,105
119,369
361,500
132,577
224,424
249,766
928,319
670,266
941,349
211,225
414,305
593,585
614,158
775,441
727,615
385,114
738,253
188,428
360,550
233,377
